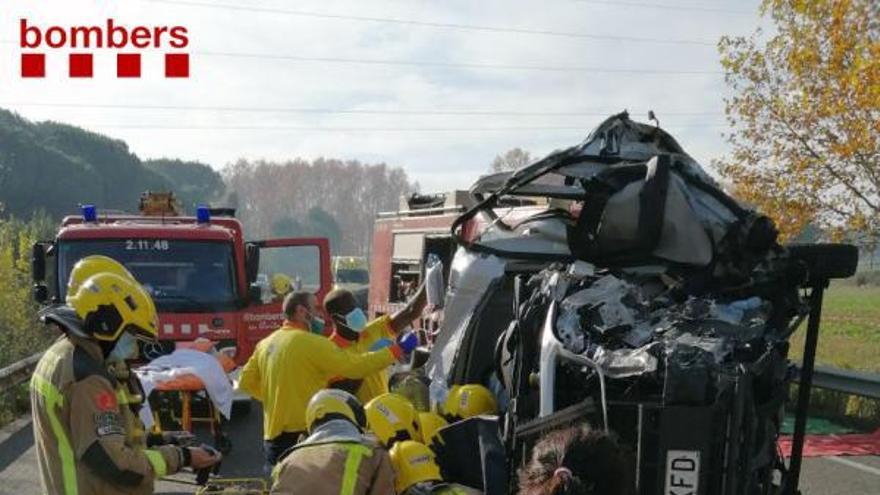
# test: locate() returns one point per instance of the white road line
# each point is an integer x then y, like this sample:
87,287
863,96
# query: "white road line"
854,464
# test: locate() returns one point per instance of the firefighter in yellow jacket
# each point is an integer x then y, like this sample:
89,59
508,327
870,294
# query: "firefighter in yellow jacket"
336,458
82,443
293,363
356,335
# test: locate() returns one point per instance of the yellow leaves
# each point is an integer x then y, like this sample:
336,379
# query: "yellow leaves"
806,112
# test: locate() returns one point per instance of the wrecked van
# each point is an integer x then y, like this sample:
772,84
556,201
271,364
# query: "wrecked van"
643,299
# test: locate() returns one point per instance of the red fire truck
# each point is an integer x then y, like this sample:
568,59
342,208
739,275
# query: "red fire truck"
403,239
206,280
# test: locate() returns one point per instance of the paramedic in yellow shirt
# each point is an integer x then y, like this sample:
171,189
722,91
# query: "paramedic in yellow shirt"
290,365
355,335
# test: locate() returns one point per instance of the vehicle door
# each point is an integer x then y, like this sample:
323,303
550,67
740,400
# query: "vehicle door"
275,268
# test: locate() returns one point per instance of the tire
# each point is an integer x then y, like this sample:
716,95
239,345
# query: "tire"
826,261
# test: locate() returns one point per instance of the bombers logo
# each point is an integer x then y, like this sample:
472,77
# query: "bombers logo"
82,41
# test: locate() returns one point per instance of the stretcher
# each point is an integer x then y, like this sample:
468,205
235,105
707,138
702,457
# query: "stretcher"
182,401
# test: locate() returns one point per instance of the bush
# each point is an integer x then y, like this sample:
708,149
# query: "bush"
868,278
20,333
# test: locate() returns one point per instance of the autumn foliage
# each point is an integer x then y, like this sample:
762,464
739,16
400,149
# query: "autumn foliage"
805,112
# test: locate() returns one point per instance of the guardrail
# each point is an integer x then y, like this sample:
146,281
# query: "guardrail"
18,372
846,381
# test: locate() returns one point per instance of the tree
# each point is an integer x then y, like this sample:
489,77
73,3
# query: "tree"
511,160
327,197
194,182
805,109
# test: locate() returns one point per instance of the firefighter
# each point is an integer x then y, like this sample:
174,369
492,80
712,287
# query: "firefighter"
392,419
336,458
129,391
429,425
81,439
292,364
354,334
467,401
418,474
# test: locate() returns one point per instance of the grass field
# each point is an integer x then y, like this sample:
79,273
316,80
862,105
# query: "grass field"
850,331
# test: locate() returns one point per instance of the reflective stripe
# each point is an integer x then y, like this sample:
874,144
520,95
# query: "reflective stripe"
54,399
124,398
356,453
157,461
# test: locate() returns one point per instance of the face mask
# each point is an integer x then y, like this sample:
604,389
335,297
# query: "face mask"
356,320
316,324
126,348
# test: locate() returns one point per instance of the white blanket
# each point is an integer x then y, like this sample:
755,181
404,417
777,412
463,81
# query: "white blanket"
186,362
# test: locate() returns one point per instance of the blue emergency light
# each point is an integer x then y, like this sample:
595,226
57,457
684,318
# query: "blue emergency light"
203,214
89,213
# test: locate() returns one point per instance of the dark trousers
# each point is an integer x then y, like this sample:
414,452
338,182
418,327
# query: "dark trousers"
276,447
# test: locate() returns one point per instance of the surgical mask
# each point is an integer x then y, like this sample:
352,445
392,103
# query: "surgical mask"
316,324
126,348
356,320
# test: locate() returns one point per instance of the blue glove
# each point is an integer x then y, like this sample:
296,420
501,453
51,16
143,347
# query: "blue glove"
408,342
380,344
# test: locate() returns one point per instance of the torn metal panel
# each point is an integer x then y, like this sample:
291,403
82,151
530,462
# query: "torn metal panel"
625,363
471,275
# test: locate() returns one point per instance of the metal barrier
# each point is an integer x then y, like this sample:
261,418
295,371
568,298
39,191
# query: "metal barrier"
846,381
18,372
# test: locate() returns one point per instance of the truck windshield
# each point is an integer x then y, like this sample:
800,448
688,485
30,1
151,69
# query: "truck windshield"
352,276
181,275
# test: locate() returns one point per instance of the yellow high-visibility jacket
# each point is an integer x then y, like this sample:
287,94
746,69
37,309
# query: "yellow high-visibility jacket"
377,330
291,365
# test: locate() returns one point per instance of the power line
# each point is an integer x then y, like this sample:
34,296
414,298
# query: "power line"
430,24
461,65
666,6
358,129
344,111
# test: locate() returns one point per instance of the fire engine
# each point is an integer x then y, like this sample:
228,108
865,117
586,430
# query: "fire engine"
404,239
206,280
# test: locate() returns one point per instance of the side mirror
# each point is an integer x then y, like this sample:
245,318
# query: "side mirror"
255,294
41,293
38,262
251,262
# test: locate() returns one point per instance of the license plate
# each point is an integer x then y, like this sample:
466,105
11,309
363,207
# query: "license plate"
682,472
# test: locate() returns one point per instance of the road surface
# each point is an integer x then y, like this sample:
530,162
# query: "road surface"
18,471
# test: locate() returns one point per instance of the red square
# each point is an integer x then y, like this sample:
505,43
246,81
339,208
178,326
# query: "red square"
33,65
80,65
176,65
128,65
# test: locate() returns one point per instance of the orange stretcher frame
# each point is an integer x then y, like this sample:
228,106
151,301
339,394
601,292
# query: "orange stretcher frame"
188,385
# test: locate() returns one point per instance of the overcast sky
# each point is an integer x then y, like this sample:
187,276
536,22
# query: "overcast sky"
256,57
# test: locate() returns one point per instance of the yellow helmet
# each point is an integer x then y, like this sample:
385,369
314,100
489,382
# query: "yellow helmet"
392,418
469,400
429,424
107,305
413,463
281,284
93,265
329,404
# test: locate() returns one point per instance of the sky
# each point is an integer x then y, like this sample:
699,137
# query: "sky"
437,88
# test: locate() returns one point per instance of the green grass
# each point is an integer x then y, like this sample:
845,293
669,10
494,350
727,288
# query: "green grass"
850,331
849,338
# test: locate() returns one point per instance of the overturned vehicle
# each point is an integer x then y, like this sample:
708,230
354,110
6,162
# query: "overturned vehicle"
643,299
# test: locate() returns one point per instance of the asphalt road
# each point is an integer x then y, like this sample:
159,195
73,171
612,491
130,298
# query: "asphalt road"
18,470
